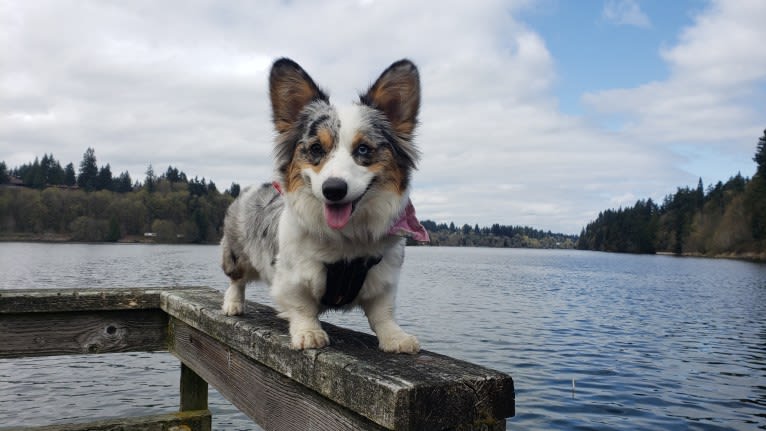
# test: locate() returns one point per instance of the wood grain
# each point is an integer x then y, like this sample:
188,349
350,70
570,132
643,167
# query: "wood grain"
270,399
426,391
60,333
199,420
193,390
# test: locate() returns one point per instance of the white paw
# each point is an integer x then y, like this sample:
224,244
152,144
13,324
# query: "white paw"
310,339
233,307
399,343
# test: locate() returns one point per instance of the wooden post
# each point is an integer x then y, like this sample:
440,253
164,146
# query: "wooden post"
193,390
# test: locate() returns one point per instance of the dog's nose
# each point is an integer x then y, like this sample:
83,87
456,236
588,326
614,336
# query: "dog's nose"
334,189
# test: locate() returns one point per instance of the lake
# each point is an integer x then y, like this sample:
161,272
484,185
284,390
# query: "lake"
592,340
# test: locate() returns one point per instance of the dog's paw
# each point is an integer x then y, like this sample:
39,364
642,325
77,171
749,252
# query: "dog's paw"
310,339
233,307
400,343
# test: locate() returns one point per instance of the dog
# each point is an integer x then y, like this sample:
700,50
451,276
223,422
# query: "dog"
329,232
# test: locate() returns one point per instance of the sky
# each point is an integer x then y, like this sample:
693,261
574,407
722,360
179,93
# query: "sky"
538,113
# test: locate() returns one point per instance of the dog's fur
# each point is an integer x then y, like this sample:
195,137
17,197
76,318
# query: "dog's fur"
288,239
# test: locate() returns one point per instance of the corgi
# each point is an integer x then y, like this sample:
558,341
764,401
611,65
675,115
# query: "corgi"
329,232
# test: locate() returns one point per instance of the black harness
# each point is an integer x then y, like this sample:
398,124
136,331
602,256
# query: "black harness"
345,279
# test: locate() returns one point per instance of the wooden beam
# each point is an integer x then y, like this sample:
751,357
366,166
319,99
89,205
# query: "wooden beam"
61,333
82,299
426,391
273,401
199,420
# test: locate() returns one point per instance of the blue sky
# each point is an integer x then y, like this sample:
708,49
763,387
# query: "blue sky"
592,51
534,112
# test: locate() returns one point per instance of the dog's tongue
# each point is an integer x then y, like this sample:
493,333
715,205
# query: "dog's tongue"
337,215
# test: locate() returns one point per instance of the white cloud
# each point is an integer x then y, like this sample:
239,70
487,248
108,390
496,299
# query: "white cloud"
625,12
185,84
710,97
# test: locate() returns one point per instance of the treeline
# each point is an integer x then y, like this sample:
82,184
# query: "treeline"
726,219
496,236
49,201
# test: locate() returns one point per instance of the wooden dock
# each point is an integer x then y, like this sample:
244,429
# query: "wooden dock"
347,385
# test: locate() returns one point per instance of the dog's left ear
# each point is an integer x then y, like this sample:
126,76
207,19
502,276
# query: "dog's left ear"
397,94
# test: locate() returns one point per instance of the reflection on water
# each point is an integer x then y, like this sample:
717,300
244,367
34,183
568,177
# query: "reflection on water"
650,342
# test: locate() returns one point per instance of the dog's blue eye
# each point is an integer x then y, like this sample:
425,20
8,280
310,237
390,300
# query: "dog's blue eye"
363,150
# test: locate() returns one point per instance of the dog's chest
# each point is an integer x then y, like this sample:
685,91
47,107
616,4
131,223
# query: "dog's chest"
345,279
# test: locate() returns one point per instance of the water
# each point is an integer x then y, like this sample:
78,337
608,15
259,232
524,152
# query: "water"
650,342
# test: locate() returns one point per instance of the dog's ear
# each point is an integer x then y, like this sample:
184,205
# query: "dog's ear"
291,89
397,94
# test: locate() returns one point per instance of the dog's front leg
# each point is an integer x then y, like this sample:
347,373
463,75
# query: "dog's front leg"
301,309
391,337
305,330
234,298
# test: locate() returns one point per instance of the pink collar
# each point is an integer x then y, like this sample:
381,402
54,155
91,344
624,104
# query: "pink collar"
406,225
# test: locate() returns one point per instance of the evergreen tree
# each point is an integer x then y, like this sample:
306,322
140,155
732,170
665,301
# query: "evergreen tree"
70,178
4,178
88,177
760,156
151,181
35,175
756,193
172,175
234,190
123,183
105,178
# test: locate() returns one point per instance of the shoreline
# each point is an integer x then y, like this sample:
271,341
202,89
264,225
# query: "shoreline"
64,239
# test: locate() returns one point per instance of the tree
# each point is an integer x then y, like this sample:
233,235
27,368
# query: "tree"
756,193
151,181
88,177
105,178
234,190
123,183
760,156
4,178
70,178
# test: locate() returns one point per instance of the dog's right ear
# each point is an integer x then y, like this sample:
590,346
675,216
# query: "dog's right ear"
291,89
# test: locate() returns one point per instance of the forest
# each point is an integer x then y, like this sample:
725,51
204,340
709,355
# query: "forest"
43,200
723,220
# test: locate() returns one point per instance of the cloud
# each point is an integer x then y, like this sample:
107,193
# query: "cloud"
185,84
625,12
717,68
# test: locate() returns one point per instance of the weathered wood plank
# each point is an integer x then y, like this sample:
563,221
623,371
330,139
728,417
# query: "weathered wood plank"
427,391
198,420
61,333
193,390
273,401
82,299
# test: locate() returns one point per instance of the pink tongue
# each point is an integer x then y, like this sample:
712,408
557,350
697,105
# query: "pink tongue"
337,215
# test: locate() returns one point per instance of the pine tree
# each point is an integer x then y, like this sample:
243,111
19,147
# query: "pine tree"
88,177
105,178
760,156
123,184
756,193
70,178
151,181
